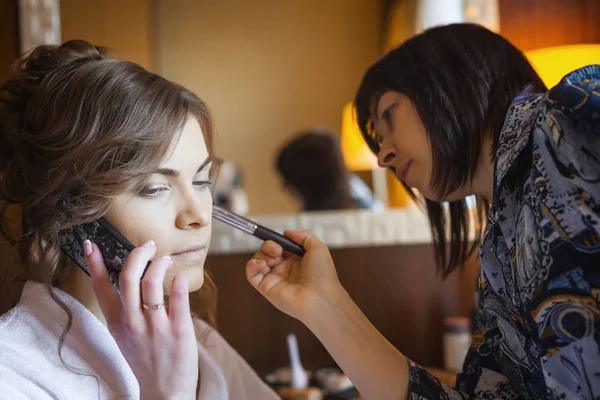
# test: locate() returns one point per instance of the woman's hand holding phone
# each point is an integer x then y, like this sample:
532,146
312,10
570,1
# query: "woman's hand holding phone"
158,343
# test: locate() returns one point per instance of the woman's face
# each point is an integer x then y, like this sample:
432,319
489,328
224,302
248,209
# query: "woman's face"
404,145
174,208
403,141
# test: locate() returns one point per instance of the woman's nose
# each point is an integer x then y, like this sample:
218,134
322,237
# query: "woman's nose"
386,157
196,211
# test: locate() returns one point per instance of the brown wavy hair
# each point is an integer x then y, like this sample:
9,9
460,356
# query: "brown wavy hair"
78,128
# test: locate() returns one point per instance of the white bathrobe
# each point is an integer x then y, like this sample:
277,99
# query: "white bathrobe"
30,367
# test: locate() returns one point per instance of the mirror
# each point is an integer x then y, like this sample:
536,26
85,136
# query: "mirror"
268,70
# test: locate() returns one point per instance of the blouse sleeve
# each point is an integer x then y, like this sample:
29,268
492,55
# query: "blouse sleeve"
565,306
480,378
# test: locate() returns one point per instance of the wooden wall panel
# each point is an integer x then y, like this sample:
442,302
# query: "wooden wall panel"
396,287
534,24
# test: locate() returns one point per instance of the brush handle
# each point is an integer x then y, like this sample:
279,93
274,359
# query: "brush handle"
267,234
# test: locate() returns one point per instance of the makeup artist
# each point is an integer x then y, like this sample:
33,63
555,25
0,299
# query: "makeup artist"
457,111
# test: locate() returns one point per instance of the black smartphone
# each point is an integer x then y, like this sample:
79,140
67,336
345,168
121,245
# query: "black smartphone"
114,246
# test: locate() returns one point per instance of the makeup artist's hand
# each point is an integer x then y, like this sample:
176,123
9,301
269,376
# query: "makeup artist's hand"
295,285
159,344
308,289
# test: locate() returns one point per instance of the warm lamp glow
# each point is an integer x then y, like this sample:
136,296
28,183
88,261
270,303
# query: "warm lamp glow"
553,63
357,155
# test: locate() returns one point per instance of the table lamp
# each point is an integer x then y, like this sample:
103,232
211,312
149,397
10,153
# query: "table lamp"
553,63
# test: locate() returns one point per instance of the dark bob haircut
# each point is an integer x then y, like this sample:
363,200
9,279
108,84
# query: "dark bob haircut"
312,163
462,79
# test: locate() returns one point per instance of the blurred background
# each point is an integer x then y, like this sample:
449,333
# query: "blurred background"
268,68
273,71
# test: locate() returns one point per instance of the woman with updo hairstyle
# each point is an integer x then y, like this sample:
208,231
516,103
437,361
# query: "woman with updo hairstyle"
84,136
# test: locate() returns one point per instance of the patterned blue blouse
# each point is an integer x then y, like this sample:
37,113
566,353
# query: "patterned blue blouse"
539,288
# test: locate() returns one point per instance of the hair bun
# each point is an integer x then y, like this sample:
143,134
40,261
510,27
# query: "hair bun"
25,79
44,59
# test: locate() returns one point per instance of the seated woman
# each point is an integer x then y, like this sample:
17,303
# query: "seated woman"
84,136
313,171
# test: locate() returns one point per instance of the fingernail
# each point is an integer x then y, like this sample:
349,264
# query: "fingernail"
87,248
168,259
255,261
149,243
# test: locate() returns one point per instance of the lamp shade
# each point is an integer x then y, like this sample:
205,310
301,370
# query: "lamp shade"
553,63
357,154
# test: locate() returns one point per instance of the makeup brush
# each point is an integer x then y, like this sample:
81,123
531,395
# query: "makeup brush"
256,230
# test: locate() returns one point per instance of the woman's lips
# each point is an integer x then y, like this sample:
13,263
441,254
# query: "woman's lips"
191,254
403,172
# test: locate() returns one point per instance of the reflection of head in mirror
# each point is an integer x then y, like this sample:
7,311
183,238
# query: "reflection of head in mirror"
313,171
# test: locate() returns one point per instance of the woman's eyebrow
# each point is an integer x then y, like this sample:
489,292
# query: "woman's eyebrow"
378,111
175,173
